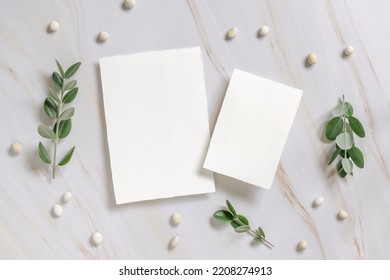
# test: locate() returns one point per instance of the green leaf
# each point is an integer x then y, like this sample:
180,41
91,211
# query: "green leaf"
234,224
231,208
243,219
64,128
356,126
50,107
57,79
60,69
334,128
223,216
340,170
344,141
46,132
72,70
70,96
242,229
357,156
334,155
67,157
43,154
341,109
261,232
256,239
54,95
69,85
347,165
350,111
67,114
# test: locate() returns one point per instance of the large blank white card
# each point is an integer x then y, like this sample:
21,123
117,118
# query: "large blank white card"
252,128
157,124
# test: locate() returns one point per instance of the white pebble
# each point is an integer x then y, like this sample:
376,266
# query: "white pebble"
103,36
232,33
302,245
349,50
16,148
53,26
97,238
318,201
174,241
342,215
66,197
57,210
129,4
312,58
176,218
263,31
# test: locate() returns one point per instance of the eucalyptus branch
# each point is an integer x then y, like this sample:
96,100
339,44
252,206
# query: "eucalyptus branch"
62,93
240,223
341,129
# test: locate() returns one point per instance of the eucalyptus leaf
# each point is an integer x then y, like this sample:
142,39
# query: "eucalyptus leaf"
57,79
223,216
67,114
67,157
54,95
334,155
234,224
356,156
43,154
51,108
46,132
70,96
341,109
69,85
242,229
340,170
356,126
64,128
334,128
347,165
231,208
349,111
344,141
60,69
261,232
243,219
72,70
259,240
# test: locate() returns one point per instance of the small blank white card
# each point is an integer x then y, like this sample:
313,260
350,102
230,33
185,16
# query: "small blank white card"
252,128
157,124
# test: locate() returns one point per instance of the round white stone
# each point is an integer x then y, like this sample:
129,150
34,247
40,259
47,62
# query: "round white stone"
66,197
129,4
57,210
97,238
176,218
349,50
53,26
232,33
103,36
174,241
264,30
312,58
302,245
318,201
16,148
342,214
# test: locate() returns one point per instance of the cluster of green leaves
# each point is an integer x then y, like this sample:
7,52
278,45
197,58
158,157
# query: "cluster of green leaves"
240,223
341,129
63,92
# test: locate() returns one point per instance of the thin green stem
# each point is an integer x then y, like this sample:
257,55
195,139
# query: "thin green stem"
345,125
57,125
255,234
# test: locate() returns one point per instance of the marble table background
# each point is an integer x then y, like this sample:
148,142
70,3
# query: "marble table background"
142,230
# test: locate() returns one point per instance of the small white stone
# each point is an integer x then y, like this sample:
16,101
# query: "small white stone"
342,215
232,33
97,238
103,36
57,210
312,58
264,30
129,4
302,245
349,50
176,218
16,148
174,241
53,26
318,201
66,197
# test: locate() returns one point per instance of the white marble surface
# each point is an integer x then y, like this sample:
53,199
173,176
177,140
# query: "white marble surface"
143,230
